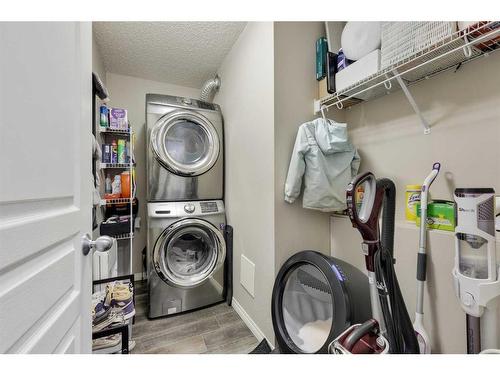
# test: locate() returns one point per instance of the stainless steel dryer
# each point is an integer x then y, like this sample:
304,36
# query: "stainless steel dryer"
185,149
186,254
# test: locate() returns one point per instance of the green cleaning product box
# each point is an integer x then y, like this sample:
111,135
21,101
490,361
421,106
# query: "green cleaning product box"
440,215
321,51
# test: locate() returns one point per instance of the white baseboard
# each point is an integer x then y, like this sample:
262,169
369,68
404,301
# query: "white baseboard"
252,326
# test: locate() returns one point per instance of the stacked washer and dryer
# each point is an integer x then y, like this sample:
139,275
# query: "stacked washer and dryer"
186,217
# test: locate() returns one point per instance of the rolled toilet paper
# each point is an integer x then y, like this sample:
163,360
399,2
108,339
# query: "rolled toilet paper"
360,38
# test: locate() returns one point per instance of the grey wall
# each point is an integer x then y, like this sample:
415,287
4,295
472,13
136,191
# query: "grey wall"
268,86
247,101
130,93
295,88
464,110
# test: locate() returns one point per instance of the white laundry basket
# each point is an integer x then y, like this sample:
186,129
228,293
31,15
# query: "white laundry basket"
403,40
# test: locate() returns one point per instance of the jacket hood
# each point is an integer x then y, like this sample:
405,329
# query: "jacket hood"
331,136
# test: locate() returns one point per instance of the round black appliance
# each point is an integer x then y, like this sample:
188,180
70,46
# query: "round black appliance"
315,298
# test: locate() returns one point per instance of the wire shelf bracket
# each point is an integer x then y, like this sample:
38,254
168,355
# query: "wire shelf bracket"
413,103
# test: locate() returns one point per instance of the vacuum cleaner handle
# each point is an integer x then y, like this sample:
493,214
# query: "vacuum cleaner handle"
422,257
432,176
358,333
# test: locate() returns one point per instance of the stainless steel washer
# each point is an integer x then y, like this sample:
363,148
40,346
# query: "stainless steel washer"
186,254
185,149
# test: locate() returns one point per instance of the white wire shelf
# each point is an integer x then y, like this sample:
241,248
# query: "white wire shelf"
116,165
105,202
125,132
449,53
125,236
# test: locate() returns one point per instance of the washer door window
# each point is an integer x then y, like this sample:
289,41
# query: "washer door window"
189,252
185,143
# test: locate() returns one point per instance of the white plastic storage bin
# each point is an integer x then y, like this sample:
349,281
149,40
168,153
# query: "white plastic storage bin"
358,71
403,40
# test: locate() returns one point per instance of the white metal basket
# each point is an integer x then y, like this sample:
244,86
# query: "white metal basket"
403,40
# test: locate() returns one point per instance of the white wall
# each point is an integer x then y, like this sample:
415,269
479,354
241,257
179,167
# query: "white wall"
247,100
130,93
295,88
464,111
98,68
98,62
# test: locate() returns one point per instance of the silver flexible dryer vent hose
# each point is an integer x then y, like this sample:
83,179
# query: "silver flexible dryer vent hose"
209,89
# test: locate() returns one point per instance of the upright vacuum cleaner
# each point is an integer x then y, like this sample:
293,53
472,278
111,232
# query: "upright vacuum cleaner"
476,271
390,330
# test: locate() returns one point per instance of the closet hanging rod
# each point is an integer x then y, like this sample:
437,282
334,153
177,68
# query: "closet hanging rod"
477,40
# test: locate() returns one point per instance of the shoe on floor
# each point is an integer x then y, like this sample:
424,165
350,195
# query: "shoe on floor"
99,309
127,309
114,318
120,297
131,345
106,342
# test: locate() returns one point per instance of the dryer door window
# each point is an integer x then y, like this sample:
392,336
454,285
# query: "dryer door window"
185,143
189,252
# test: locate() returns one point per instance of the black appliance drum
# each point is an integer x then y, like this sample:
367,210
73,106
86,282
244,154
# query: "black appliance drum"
315,298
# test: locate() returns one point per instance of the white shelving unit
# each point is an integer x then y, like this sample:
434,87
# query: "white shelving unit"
110,133
449,53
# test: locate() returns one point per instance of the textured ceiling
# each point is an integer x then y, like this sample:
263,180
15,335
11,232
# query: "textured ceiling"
182,53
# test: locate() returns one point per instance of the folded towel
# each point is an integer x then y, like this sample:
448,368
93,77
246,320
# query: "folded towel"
360,38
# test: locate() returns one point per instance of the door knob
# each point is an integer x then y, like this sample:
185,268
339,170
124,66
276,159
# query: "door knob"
101,244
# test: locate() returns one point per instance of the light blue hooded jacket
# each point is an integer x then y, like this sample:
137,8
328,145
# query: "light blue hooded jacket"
325,159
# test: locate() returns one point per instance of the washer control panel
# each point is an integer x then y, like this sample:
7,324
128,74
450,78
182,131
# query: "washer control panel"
183,209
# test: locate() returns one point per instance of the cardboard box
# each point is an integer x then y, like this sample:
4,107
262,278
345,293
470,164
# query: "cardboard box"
440,215
118,118
322,88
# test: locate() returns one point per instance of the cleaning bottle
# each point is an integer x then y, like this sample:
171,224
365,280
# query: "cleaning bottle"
116,187
103,119
121,151
107,186
125,184
114,152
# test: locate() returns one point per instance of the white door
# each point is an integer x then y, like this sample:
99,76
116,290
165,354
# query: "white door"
45,187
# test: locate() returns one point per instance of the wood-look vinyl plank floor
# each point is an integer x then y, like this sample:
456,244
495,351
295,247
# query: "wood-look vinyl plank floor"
216,329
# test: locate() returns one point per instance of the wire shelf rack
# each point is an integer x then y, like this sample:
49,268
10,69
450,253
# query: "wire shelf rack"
125,132
451,52
116,165
125,236
105,202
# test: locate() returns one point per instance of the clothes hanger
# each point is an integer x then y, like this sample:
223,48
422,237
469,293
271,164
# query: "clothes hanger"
323,112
